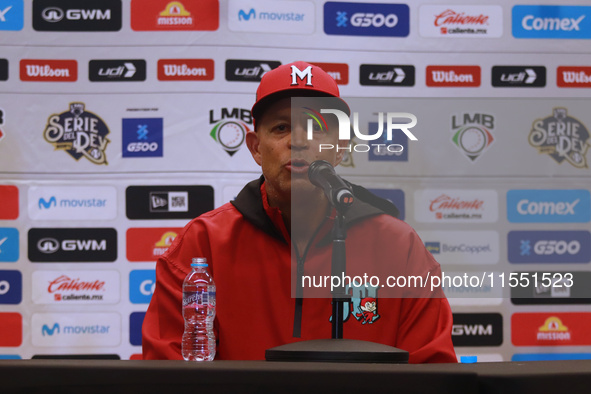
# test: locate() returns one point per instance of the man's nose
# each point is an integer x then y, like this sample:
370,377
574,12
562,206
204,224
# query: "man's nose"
299,136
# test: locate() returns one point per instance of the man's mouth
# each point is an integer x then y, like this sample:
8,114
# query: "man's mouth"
298,166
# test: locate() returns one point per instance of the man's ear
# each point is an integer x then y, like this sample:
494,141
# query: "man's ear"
252,142
342,144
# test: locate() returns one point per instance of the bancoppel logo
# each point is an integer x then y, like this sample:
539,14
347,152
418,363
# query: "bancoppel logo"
366,19
76,329
142,137
78,132
230,127
48,70
9,205
461,21
76,287
548,206
573,77
175,15
185,70
9,245
72,244
553,288
472,133
11,15
477,329
463,247
518,76
285,17
3,74
386,75
551,329
395,196
12,329
11,287
72,202
562,137
141,286
136,321
338,71
549,246
168,202
147,244
116,70
248,70
549,21
453,76
72,15
456,206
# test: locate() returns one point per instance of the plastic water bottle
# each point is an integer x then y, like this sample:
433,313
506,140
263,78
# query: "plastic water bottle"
199,312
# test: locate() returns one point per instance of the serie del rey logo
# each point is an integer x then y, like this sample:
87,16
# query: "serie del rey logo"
78,132
562,137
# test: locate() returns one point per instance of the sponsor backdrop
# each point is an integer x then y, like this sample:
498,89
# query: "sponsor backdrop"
122,120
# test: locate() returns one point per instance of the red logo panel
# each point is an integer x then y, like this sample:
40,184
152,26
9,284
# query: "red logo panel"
185,70
453,76
8,202
11,329
551,329
147,244
49,70
155,15
339,71
573,77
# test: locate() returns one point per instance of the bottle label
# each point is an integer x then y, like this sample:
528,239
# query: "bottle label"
195,297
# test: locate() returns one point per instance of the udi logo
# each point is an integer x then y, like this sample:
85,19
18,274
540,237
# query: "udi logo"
37,70
386,75
453,76
11,329
338,71
478,21
548,206
8,202
11,287
3,74
142,137
9,245
76,287
141,286
551,329
147,244
456,206
366,19
185,70
248,70
175,15
573,77
11,15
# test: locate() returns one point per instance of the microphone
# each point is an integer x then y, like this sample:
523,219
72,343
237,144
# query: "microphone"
322,174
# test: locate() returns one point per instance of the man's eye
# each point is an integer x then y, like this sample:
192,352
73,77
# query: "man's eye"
281,128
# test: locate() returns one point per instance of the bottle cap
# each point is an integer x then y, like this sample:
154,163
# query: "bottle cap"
199,262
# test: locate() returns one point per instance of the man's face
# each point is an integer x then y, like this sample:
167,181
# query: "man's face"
282,149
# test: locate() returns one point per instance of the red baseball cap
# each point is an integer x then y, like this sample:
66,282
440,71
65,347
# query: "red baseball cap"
295,79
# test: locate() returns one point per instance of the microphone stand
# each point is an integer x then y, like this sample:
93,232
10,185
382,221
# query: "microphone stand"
338,349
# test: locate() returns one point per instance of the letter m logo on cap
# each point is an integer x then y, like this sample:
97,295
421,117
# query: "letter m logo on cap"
297,73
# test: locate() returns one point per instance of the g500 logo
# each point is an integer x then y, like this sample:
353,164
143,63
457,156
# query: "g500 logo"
79,133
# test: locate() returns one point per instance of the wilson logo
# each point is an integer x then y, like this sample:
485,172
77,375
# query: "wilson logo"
453,76
185,70
49,70
573,77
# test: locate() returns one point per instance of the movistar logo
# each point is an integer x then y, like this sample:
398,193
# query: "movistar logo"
45,330
47,204
242,15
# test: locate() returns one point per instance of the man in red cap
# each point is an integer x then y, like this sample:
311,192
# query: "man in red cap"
282,218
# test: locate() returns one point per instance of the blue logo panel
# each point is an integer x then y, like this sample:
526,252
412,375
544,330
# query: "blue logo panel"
11,287
141,286
366,19
142,137
10,357
550,21
548,206
395,196
550,356
12,15
383,149
136,319
9,249
549,246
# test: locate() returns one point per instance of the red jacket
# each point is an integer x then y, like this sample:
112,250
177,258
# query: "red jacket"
249,251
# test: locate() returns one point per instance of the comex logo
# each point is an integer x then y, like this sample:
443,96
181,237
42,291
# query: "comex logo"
3,13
